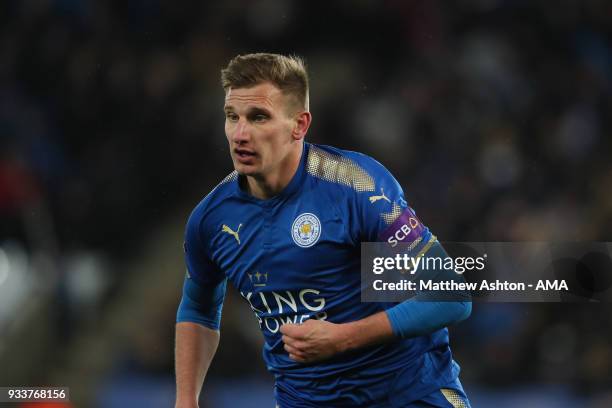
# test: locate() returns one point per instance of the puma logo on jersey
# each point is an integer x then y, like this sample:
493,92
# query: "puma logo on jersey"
232,233
382,196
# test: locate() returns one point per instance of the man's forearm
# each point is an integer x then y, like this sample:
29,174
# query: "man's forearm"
195,347
374,329
316,340
406,320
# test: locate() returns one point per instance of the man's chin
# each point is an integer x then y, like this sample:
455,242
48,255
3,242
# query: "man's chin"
245,170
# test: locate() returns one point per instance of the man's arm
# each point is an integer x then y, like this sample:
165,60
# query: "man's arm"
317,340
197,337
195,347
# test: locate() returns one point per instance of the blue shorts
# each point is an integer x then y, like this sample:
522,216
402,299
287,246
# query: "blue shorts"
451,396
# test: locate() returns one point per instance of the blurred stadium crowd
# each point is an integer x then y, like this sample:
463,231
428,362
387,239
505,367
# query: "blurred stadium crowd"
494,115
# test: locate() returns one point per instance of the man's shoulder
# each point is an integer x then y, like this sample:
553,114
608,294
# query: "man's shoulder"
215,197
354,169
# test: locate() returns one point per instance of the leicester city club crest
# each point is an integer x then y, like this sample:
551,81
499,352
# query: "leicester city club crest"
306,230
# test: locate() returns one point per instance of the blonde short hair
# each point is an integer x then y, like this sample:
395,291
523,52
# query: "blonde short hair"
287,73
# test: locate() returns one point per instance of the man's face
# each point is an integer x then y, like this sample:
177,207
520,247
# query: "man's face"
258,127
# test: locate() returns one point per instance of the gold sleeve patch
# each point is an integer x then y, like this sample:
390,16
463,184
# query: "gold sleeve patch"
338,169
453,398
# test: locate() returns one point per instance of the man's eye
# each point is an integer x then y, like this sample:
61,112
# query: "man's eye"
260,118
232,117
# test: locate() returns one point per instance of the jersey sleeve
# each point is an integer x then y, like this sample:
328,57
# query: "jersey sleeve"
205,283
199,265
384,215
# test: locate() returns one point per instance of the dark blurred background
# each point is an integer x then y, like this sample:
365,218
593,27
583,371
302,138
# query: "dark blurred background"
494,115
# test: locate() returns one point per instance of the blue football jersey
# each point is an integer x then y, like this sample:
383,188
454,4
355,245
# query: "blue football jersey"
296,256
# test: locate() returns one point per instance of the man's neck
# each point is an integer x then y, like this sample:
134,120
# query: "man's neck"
268,186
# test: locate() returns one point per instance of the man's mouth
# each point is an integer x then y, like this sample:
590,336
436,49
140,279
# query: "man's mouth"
244,154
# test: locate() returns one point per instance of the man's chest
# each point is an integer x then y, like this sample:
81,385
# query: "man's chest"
300,244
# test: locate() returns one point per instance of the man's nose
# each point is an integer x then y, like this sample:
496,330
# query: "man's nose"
241,133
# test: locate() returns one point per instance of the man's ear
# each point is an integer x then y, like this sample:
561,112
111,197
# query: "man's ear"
302,123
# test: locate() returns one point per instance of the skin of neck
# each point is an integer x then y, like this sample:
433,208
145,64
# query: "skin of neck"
271,184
